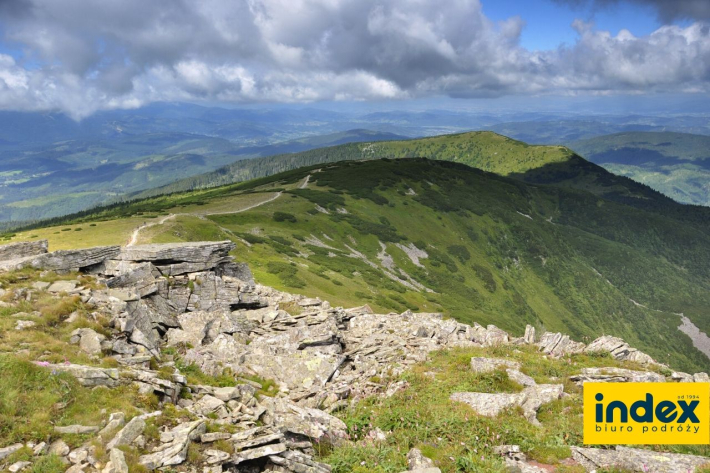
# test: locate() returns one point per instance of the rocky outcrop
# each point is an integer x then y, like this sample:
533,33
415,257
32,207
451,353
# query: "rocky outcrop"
633,459
196,300
558,344
23,249
619,350
616,375
63,260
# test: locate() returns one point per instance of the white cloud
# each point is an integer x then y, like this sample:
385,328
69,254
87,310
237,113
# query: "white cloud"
84,55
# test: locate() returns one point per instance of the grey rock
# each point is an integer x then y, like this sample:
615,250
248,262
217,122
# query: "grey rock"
297,461
530,399
90,376
76,429
616,375
173,259
59,448
209,405
259,452
89,341
701,378
634,459
18,466
64,260
520,378
417,461
173,450
23,249
115,421
215,436
78,456
140,282
24,324
117,462
529,336
7,451
40,285
557,344
128,433
680,377
618,349
312,423
62,286
214,457
486,365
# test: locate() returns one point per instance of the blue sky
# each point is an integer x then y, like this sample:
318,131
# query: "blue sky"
548,24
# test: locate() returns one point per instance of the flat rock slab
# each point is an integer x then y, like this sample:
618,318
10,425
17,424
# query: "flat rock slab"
486,365
530,399
194,252
63,260
635,459
616,375
76,429
23,249
62,286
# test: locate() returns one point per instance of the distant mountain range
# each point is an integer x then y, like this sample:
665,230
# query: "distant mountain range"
676,164
51,165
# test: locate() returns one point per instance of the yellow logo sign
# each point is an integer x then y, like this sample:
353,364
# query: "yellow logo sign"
646,413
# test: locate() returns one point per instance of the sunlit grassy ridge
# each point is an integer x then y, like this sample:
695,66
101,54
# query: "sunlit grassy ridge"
492,249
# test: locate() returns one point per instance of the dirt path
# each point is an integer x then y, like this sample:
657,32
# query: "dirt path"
305,182
136,232
134,235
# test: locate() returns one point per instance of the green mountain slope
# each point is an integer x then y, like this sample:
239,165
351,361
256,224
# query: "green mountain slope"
549,165
676,164
441,236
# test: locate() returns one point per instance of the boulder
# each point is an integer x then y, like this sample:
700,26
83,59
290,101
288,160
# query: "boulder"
128,433
530,399
174,443
117,462
89,341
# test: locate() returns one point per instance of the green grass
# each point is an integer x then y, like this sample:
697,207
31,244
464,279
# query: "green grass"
452,434
499,250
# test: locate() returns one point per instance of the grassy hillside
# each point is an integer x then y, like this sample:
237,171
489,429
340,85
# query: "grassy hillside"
549,165
441,236
676,164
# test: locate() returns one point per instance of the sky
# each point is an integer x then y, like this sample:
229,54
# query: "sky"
80,56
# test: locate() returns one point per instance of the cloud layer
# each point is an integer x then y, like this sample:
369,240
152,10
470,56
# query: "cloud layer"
83,55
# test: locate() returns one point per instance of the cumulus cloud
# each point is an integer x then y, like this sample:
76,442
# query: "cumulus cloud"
668,10
83,55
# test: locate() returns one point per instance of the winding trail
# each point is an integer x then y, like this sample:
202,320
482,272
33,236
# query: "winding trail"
136,232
